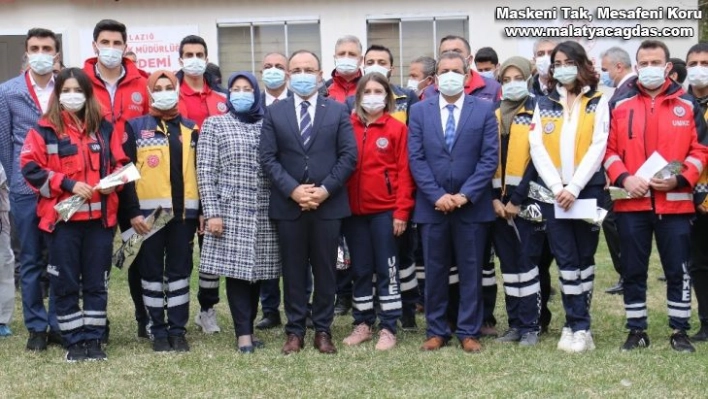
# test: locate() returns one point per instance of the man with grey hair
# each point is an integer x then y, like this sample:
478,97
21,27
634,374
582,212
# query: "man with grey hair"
347,68
421,74
542,50
616,72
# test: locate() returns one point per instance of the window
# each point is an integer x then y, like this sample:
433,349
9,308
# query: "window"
242,46
410,38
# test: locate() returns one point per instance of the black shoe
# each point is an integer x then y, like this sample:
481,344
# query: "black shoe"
142,330
161,345
408,323
246,349
37,341
615,289
54,338
701,335
94,350
179,343
635,340
257,343
343,305
269,320
681,343
76,353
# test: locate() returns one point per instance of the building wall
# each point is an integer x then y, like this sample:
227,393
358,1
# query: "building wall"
336,18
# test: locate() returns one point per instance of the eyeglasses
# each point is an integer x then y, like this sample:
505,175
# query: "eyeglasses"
559,64
309,71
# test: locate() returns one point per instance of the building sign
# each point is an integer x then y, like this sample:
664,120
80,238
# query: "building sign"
157,47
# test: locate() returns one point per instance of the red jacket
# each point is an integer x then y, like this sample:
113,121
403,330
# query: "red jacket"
131,99
671,124
197,106
339,89
52,164
382,180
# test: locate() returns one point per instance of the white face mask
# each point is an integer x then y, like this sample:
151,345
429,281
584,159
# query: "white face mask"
543,64
165,100
373,102
345,65
72,101
451,83
652,77
41,63
377,68
698,76
110,57
194,66
413,85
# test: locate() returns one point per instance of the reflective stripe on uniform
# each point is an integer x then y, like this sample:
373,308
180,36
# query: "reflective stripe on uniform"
523,291
178,300
695,162
611,160
520,277
679,196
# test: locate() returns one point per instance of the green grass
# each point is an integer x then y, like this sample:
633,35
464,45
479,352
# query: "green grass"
214,369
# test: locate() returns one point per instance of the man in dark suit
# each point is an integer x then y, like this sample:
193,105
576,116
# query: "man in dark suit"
453,148
617,72
308,152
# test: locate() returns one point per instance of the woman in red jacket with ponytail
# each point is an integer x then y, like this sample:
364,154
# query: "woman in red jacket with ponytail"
381,199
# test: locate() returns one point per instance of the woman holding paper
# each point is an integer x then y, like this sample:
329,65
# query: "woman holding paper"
163,146
516,240
68,153
568,139
240,241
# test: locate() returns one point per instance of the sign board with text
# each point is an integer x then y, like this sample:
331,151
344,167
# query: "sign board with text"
157,47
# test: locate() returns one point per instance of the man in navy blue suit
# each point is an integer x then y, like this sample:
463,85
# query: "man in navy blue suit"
453,148
308,151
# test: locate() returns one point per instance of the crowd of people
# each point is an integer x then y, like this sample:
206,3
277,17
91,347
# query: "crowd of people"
420,186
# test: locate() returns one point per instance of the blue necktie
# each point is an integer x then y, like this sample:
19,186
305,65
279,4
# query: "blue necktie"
305,122
450,126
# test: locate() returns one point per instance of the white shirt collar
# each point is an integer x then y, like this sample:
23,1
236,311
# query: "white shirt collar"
564,93
50,84
270,98
458,104
122,73
299,100
626,78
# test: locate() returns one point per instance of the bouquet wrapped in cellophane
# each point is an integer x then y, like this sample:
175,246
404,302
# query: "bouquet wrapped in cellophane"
542,194
124,256
67,208
674,168
532,213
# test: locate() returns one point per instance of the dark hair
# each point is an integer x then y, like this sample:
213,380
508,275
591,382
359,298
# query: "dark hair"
679,67
486,54
91,113
298,52
43,33
378,47
586,72
452,55
383,81
192,39
651,45
110,25
214,71
701,47
455,37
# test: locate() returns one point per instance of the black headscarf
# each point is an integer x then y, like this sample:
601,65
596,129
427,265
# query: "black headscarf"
256,112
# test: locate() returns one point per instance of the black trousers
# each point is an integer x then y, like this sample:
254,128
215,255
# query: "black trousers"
544,274
609,228
309,240
243,303
699,265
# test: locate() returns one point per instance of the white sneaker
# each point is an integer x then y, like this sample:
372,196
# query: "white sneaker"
207,321
582,341
566,340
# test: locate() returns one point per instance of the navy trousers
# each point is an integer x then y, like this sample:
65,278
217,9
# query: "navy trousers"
165,263
79,260
573,243
467,241
673,240
24,213
699,265
519,266
407,244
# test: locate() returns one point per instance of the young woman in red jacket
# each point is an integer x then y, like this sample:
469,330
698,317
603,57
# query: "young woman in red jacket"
68,152
381,199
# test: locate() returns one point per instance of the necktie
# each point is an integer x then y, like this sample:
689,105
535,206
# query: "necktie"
305,122
450,126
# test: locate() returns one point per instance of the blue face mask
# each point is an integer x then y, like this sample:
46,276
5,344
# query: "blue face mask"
652,77
273,78
565,74
242,101
515,90
606,80
303,84
488,74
